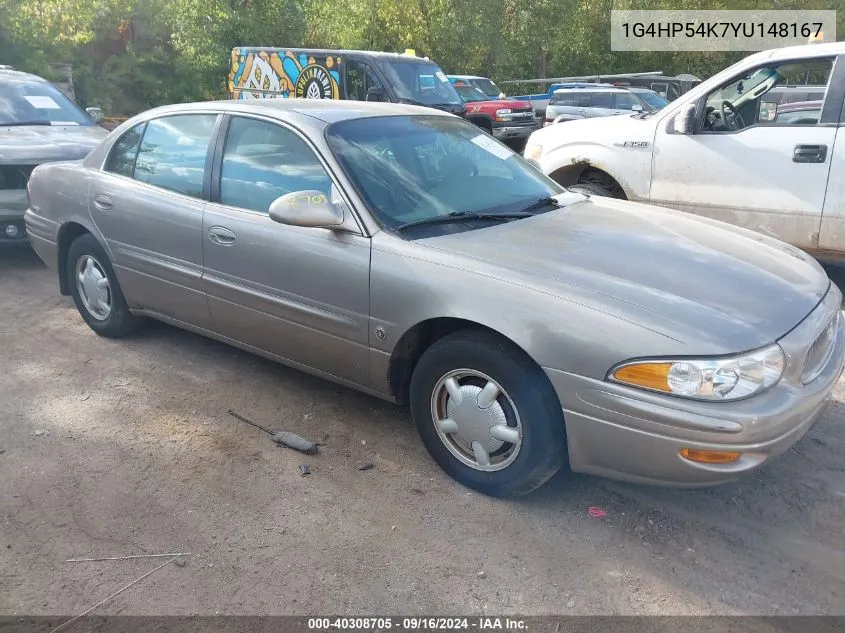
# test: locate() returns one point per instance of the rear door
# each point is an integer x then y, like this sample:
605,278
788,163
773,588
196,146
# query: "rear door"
301,294
148,202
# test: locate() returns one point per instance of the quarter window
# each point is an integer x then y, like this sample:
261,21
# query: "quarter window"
125,151
173,152
263,161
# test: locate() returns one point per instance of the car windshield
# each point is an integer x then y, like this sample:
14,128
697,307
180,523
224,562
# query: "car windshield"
415,168
653,100
37,103
487,87
421,82
470,94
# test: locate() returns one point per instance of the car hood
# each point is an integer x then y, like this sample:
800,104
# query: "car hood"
33,144
514,104
714,287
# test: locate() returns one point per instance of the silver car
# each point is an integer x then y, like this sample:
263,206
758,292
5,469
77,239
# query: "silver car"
37,124
586,101
403,252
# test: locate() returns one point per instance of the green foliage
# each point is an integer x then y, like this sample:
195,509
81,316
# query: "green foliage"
129,55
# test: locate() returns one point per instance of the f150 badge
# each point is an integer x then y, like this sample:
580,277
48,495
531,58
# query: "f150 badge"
633,144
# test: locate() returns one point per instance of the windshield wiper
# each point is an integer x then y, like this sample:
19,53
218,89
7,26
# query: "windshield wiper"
410,101
460,216
16,123
539,204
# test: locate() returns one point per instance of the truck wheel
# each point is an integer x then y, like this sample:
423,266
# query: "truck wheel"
593,189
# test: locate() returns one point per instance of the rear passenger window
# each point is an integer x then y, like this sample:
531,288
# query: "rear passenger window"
173,152
601,100
262,161
125,151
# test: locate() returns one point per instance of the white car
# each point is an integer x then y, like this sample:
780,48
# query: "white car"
721,151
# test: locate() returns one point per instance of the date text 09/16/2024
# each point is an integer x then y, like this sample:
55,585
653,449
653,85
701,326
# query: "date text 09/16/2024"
415,623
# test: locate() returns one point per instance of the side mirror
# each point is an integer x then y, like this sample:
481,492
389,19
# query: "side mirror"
636,108
376,94
96,114
685,120
306,208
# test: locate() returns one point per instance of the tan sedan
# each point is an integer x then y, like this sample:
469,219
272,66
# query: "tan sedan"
402,252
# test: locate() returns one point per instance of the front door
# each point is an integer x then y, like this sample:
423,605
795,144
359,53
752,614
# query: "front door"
301,294
148,204
746,164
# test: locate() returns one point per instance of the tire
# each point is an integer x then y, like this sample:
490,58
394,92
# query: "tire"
526,395
593,189
115,322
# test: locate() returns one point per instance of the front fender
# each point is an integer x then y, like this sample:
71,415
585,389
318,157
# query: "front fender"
629,166
562,329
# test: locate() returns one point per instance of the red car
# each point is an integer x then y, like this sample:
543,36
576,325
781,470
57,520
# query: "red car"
506,119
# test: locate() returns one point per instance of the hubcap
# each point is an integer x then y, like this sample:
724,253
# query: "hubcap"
476,420
93,286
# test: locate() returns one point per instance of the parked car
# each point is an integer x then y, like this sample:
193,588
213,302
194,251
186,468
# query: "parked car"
507,120
716,152
401,252
541,101
281,73
588,101
667,88
37,124
485,85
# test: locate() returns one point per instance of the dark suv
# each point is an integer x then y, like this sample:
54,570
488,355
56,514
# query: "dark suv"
38,124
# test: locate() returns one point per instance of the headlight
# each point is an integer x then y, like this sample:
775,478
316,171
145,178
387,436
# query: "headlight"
706,378
503,115
533,152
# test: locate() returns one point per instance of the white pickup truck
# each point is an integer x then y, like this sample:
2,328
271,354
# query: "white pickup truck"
729,149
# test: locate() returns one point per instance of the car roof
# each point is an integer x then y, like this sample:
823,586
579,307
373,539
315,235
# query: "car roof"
593,88
326,110
465,77
7,74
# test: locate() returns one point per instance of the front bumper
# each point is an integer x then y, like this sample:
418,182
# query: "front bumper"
634,435
513,131
13,204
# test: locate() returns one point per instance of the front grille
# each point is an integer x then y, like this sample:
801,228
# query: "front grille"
820,351
14,176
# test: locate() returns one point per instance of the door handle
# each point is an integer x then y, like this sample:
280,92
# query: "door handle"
221,235
102,202
809,154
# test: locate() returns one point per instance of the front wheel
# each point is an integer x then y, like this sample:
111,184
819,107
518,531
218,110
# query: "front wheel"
487,414
96,291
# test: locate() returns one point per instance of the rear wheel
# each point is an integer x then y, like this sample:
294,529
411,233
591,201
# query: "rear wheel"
95,289
487,414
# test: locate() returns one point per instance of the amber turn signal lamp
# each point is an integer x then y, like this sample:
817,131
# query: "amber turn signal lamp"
650,375
710,457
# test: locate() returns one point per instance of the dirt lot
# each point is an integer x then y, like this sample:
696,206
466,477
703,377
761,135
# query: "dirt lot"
109,448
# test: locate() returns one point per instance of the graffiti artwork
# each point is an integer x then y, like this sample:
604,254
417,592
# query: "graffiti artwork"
275,73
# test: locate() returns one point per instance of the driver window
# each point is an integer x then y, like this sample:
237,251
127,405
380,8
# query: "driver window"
760,97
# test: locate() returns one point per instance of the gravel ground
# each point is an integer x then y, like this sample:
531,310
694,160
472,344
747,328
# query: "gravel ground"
112,448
